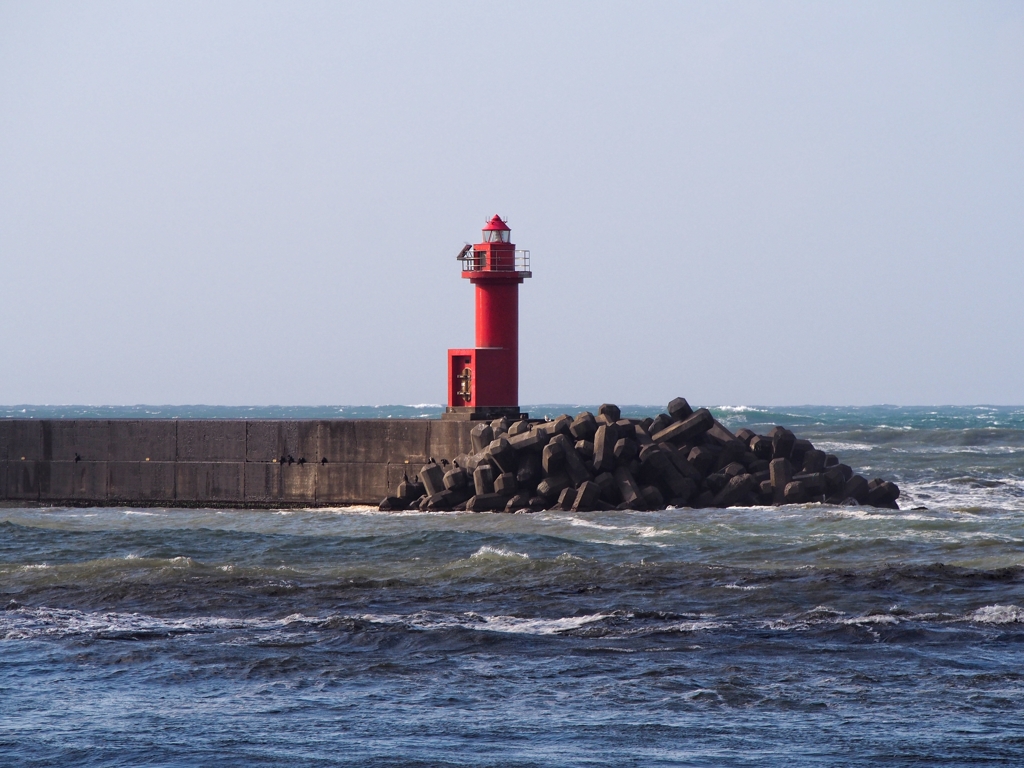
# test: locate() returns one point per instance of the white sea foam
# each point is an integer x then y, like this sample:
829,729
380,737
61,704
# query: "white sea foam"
643,531
481,622
874,618
28,623
568,557
745,587
998,614
838,446
487,551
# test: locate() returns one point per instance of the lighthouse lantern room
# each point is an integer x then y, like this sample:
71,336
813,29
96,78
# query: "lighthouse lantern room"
483,382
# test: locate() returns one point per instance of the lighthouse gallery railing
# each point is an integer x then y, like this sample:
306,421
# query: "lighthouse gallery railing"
475,261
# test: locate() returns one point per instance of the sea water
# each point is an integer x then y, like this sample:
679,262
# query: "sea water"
797,635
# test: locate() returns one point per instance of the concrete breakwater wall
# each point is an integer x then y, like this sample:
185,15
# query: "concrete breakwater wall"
221,462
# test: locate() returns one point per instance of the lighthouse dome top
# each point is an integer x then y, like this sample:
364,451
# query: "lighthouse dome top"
496,222
496,231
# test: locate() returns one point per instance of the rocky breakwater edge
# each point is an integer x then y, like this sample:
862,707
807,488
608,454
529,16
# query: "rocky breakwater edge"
683,458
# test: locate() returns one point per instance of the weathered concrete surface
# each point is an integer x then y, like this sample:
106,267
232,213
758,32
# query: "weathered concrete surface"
219,462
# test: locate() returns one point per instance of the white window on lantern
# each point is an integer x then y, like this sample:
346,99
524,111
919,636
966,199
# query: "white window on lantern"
496,236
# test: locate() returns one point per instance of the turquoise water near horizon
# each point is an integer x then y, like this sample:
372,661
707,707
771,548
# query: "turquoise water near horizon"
798,635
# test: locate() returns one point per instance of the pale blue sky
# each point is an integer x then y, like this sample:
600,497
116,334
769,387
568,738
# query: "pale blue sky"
759,203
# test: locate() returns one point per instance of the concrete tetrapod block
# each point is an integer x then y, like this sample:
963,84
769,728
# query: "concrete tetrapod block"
560,425
681,463
518,428
502,453
487,502
566,499
505,484
432,477
609,412
625,428
814,484
534,439
392,504
409,491
584,426
571,460
550,487
626,450
757,467
733,469
730,453
585,448
680,487
761,445
814,461
642,438
552,458
530,471
628,489
499,427
604,449
679,409
716,482
884,495
721,435
517,502
454,479
609,488
586,497
835,481
659,423
856,489
701,458
687,429
781,476
483,479
745,435
800,447
481,435
782,445
439,501
652,497
794,493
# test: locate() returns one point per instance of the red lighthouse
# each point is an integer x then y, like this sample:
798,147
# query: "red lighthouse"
483,382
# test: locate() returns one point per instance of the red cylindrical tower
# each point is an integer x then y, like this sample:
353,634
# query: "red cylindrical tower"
483,382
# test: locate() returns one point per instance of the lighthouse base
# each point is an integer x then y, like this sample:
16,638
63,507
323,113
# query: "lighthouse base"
483,413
